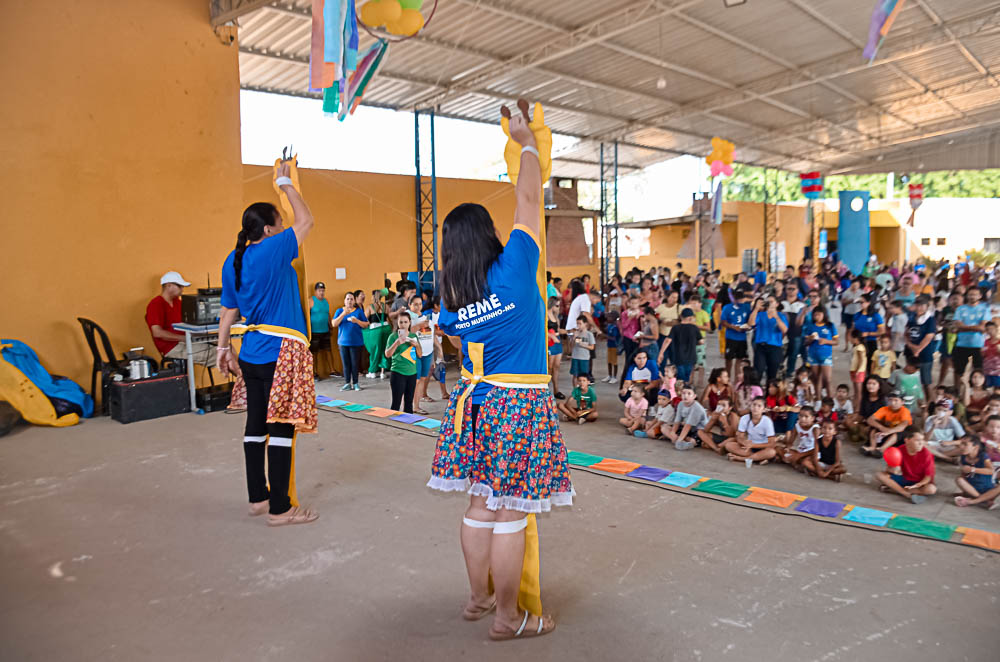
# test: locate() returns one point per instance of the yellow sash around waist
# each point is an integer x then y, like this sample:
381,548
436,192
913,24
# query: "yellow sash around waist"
270,330
476,377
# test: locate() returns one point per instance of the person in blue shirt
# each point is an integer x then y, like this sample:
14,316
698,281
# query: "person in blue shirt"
500,439
770,326
734,320
759,278
349,322
259,283
869,324
971,319
921,330
821,337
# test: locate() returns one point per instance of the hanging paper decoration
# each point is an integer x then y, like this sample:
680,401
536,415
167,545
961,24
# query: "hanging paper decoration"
335,68
916,195
812,184
398,17
717,204
883,16
721,158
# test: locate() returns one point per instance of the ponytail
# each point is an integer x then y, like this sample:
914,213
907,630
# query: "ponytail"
255,218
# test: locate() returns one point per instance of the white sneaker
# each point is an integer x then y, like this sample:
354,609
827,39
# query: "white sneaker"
370,375
581,421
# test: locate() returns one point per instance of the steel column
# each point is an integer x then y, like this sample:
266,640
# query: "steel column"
425,189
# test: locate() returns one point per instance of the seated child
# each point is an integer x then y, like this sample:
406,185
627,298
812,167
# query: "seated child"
755,437
992,408
826,412
581,406
990,436
635,409
689,417
782,409
721,426
825,461
915,481
977,470
906,381
842,405
886,424
663,416
943,432
802,440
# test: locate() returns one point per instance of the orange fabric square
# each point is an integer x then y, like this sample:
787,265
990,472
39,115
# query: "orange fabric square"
615,466
771,497
381,413
981,538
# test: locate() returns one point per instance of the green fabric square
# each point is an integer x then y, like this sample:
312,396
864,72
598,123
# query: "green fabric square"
582,459
721,487
922,527
356,407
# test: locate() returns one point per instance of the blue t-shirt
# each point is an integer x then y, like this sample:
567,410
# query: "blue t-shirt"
816,351
760,278
917,330
970,316
348,333
269,293
508,319
648,373
735,314
906,299
766,331
319,315
614,336
867,323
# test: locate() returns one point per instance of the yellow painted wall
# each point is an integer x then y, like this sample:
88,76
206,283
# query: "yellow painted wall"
120,144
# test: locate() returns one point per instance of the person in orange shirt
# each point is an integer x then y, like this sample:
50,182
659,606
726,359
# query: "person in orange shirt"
886,424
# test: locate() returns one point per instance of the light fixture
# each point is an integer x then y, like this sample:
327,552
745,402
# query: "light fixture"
733,3
661,83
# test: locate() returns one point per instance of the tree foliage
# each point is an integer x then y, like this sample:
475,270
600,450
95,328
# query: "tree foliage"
753,183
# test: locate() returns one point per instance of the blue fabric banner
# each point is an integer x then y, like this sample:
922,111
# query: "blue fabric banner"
853,235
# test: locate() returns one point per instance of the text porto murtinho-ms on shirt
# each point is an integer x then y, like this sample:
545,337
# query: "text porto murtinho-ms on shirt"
481,311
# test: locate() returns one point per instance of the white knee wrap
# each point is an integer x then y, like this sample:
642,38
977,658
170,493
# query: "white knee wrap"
476,524
510,527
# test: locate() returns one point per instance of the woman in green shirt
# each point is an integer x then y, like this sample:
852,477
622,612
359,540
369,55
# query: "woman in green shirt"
404,353
377,334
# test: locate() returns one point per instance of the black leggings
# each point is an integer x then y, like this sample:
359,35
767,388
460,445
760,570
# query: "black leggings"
402,390
770,358
258,378
350,356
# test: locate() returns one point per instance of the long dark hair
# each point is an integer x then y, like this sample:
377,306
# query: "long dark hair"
576,288
469,247
255,218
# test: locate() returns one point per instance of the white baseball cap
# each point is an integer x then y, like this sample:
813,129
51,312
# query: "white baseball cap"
174,277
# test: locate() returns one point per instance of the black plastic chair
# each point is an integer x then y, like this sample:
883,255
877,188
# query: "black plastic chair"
105,367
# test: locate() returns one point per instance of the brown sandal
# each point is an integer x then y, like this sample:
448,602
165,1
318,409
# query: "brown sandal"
295,515
522,633
479,612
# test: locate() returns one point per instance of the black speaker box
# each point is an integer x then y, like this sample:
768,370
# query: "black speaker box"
214,398
144,399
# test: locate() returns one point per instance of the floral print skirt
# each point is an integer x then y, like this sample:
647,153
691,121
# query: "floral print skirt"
513,454
293,392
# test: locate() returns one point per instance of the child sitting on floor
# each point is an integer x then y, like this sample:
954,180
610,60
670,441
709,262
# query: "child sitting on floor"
755,437
802,440
581,406
915,481
943,432
805,389
826,412
670,380
842,405
635,410
721,426
990,436
690,417
976,468
886,423
825,461
663,416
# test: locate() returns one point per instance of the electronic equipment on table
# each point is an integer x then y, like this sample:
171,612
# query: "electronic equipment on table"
203,307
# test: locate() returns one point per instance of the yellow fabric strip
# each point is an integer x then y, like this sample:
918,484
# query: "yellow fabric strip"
270,330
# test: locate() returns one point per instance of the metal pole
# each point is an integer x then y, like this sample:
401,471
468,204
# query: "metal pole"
434,205
605,236
615,239
417,186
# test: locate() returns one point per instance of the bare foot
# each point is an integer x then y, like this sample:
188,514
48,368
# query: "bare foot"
295,515
477,609
258,508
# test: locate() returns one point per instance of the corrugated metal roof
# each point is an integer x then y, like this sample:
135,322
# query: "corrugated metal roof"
785,81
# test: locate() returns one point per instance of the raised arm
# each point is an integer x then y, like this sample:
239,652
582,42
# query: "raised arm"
529,179
303,221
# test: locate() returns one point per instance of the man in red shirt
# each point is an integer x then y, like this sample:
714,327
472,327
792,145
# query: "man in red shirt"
163,312
915,482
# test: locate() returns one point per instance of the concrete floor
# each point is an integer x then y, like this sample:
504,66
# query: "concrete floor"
131,543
